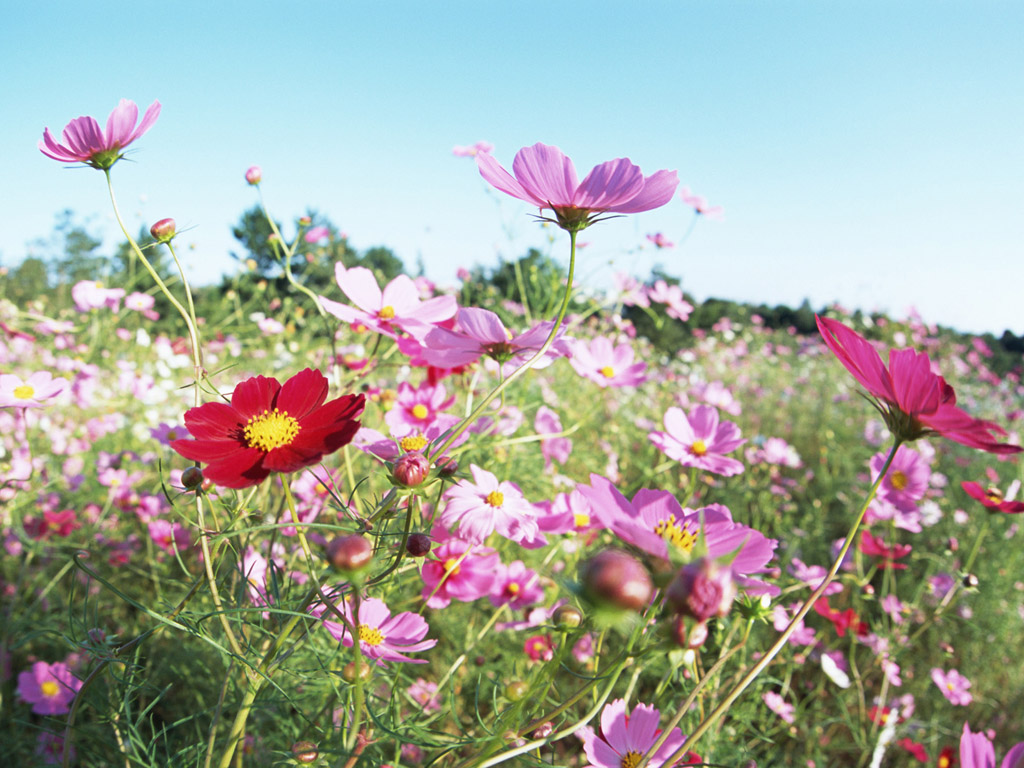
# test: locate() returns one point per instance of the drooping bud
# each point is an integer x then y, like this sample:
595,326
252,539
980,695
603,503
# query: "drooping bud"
164,230
254,175
701,590
411,469
615,578
305,752
446,466
192,478
417,545
689,634
567,617
350,553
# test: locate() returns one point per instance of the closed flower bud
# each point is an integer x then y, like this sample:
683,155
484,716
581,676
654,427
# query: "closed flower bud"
350,553
192,478
701,590
688,633
446,466
515,691
615,578
970,581
254,175
164,230
418,545
567,617
348,672
305,752
411,469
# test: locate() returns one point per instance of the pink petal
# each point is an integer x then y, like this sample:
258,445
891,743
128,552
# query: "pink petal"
360,286
658,190
120,124
546,174
610,184
499,178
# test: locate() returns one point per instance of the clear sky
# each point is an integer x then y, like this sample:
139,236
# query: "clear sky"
866,152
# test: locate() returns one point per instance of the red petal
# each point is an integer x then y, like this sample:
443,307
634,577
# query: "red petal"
206,450
302,393
254,396
239,470
213,421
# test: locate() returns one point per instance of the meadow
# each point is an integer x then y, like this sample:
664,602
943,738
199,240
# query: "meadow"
364,520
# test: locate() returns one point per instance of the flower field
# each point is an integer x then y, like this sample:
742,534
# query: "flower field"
376,523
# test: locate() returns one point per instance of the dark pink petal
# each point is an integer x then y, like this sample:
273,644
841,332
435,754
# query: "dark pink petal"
859,357
482,325
302,393
83,136
546,174
610,184
49,147
501,179
916,387
658,190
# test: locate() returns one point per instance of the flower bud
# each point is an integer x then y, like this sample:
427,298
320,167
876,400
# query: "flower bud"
616,578
516,690
305,221
417,545
970,581
446,466
254,175
192,478
305,752
689,634
164,230
348,672
567,617
701,590
411,469
350,553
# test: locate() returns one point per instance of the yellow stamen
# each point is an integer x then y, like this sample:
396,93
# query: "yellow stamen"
513,588
452,567
420,411
49,689
608,372
675,534
386,313
413,443
580,520
370,635
994,495
631,759
24,392
698,448
495,498
898,480
270,430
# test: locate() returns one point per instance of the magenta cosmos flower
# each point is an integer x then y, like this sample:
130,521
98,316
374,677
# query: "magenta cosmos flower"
269,427
49,688
976,752
85,142
382,637
607,365
460,572
546,178
626,737
914,401
485,505
700,440
990,497
480,332
397,305
953,686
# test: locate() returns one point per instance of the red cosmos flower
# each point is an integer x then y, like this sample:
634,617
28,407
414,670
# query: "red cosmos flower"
992,498
841,620
914,401
269,428
875,547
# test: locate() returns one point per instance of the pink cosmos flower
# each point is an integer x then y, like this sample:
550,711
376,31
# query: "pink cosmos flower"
142,303
779,706
389,448
654,521
700,205
169,536
546,178
473,150
382,637
480,332
92,294
539,648
625,737
85,142
700,440
485,505
907,480
672,297
632,293
566,513
516,586
976,751
33,392
382,310
459,572
49,688
416,408
953,686
990,497
553,448
316,234
424,693
874,546
605,365
660,241
914,401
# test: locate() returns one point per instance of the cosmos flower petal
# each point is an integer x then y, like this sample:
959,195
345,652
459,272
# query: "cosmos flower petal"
502,180
546,174
609,184
302,393
253,396
658,190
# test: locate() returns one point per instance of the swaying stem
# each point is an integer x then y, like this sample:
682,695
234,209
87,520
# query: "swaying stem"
191,314
780,641
193,331
212,581
289,251
489,397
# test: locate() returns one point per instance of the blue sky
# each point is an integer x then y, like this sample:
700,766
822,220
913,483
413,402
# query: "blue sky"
869,152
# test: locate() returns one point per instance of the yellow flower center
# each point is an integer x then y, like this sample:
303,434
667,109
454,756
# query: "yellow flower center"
994,495
420,411
580,520
495,498
898,480
698,448
513,588
675,534
24,392
608,372
172,435
413,443
451,566
631,759
370,635
386,313
49,689
270,430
